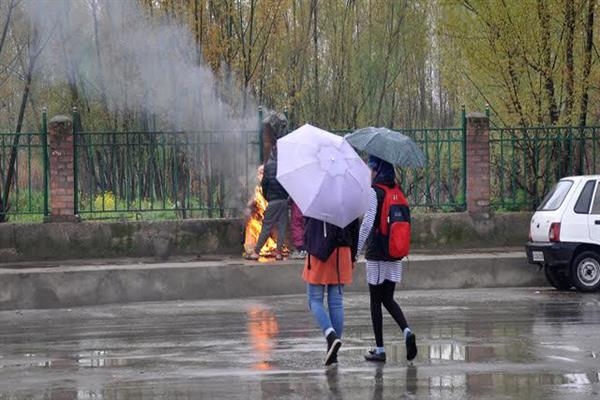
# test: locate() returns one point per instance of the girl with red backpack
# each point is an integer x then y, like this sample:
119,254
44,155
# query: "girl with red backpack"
385,236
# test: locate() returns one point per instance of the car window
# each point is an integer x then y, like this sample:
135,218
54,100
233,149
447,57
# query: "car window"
596,203
556,196
585,198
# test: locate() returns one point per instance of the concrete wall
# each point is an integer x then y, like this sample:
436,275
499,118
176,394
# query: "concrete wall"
161,239
469,231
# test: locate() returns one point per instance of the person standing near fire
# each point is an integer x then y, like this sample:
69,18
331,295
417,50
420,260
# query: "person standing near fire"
297,233
277,211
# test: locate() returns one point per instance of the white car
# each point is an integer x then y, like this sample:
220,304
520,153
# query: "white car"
564,235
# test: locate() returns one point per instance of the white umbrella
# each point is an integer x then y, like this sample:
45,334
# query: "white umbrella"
324,175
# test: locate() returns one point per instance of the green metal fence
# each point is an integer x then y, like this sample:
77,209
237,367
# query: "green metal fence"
526,162
27,198
163,174
441,185
174,174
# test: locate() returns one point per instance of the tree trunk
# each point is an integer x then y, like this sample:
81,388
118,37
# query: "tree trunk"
587,63
393,41
569,78
547,61
6,25
98,55
197,31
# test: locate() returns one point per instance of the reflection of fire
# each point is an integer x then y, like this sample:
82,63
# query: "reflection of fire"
262,329
254,224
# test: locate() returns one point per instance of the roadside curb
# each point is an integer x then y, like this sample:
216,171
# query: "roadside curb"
85,285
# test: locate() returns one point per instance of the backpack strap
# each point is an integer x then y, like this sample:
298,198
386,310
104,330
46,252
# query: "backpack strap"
381,205
337,266
380,192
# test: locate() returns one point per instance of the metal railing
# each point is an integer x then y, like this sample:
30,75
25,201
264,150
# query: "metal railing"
441,185
174,174
27,199
163,174
526,162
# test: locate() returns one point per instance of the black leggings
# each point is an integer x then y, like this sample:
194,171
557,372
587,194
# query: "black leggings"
384,294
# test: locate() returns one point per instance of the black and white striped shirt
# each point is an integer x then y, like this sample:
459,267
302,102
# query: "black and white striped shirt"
377,271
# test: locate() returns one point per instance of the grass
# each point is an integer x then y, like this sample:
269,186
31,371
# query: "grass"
23,210
108,207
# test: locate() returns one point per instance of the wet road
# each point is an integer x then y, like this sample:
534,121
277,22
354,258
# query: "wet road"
480,344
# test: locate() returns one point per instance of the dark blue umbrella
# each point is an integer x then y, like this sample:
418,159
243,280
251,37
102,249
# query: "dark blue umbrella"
389,145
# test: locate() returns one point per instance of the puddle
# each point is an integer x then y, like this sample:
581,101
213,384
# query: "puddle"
510,384
334,383
452,352
100,359
92,359
262,329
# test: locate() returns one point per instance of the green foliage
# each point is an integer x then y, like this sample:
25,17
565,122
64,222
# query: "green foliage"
514,55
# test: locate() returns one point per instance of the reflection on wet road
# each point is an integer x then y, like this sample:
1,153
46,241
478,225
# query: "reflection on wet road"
480,344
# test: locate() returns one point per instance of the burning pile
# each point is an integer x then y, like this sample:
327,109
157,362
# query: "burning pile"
257,207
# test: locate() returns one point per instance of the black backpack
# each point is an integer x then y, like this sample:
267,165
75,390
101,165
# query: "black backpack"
322,238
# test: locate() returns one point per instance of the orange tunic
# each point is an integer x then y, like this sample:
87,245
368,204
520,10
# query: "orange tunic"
326,273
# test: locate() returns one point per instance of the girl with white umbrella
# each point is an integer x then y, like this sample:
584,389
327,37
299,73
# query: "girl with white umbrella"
330,183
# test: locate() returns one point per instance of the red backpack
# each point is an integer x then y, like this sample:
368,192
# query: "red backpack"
394,222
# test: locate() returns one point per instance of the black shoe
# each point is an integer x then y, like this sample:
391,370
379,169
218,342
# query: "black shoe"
333,345
411,346
334,360
372,355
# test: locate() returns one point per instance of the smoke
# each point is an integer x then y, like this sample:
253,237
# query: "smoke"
114,52
113,48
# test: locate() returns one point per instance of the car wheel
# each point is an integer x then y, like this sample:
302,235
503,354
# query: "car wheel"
557,278
585,271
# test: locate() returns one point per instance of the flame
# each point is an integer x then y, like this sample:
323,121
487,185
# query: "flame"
254,225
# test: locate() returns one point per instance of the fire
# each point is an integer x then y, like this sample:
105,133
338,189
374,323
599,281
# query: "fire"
254,225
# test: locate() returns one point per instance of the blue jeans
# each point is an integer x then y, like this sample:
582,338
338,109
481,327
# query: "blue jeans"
335,303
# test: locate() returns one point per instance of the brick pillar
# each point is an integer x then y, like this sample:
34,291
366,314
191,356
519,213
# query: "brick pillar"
478,164
60,137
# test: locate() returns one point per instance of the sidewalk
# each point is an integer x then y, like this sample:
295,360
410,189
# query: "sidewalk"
83,283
